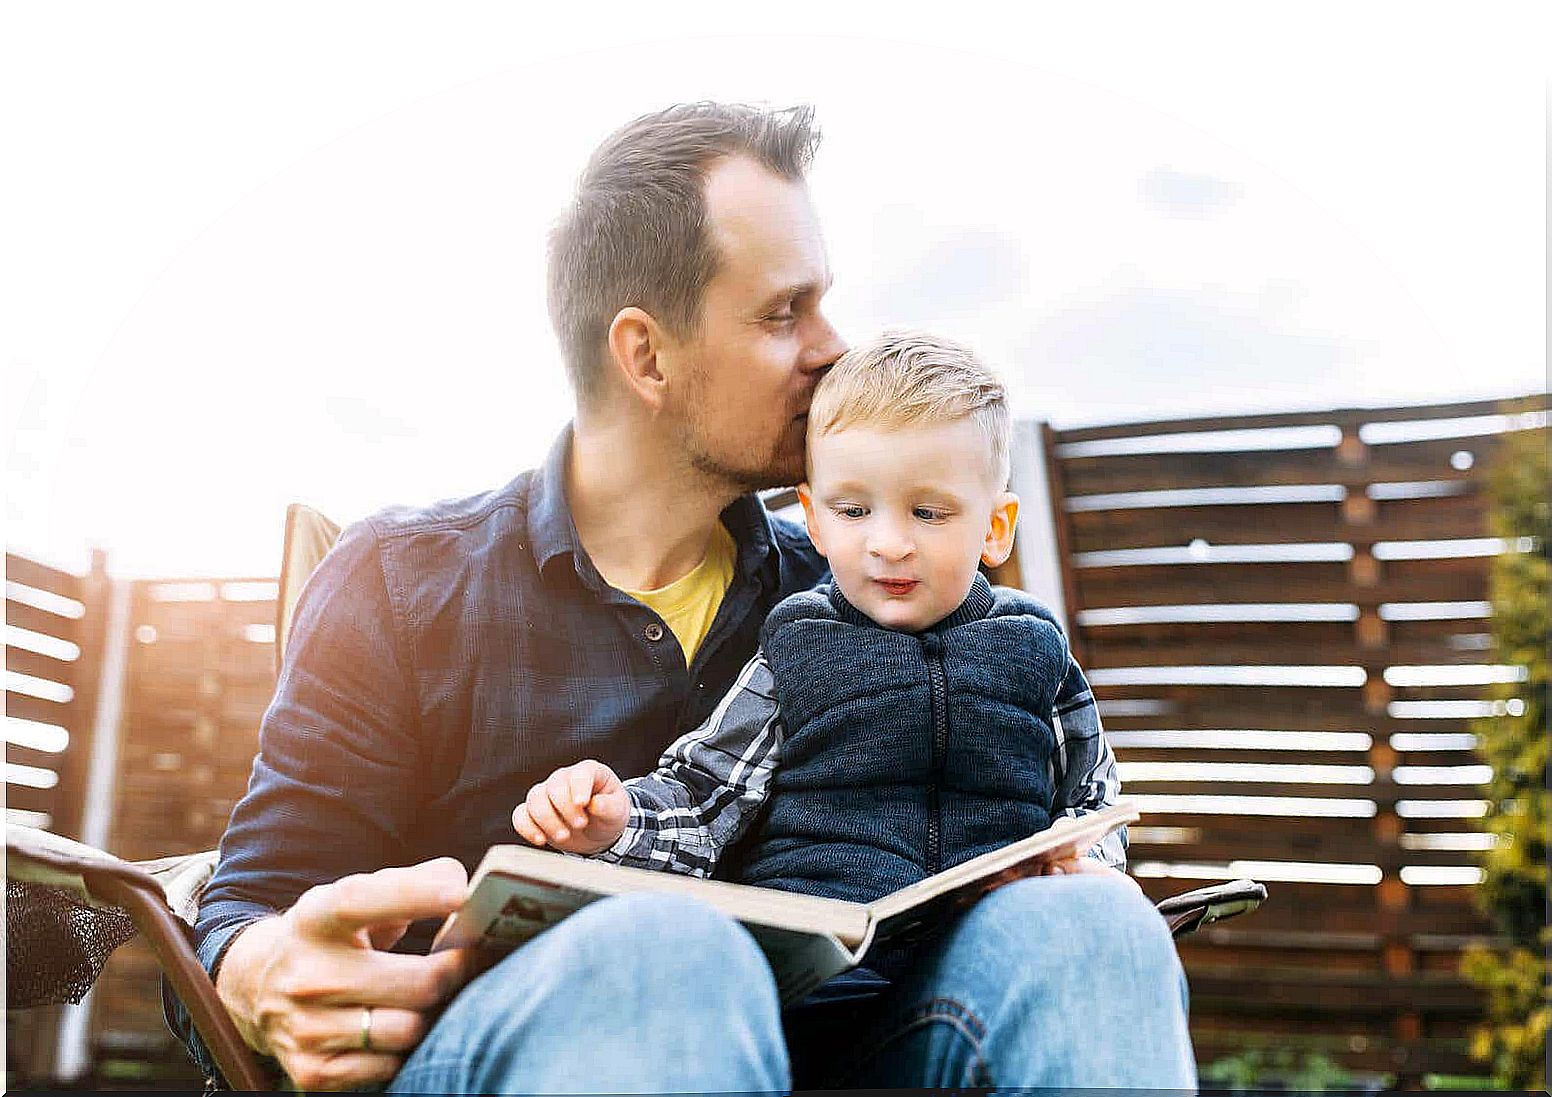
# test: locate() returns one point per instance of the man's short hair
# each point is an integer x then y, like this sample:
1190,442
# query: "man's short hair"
913,378
636,233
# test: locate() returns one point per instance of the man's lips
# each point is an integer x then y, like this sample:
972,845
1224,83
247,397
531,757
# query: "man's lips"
898,586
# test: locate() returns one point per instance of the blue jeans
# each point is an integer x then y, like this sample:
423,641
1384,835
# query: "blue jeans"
1060,982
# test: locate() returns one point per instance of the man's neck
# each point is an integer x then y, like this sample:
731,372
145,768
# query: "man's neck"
642,513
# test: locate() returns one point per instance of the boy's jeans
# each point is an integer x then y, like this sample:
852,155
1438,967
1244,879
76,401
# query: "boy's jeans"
1064,981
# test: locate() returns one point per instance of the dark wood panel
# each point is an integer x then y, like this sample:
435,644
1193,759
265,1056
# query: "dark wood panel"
1225,849
1399,461
17,754
37,708
1457,580
41,620
26,798
46,667
41,576
1383,792
1433,519
1513,405
1297,645
1206,755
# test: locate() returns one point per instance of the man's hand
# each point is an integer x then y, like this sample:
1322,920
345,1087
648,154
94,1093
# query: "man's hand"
578,809
297,985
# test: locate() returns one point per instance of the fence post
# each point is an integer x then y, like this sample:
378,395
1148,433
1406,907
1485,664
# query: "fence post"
73,1059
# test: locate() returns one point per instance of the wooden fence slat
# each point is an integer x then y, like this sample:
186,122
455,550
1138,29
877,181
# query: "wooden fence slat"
41,576
1274,650
1428,460
42,621
36,665
1457,580
41,709
27,798
29,756
1428,519
1467,409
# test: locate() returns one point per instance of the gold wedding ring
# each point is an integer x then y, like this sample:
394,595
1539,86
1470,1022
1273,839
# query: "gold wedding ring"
366,1028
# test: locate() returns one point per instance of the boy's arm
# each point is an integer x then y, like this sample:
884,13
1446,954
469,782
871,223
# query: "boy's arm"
708,785
1086,778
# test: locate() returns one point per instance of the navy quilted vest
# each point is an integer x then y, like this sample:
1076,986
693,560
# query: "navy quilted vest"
905,754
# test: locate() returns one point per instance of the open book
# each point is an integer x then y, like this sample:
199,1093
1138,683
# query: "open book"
518,892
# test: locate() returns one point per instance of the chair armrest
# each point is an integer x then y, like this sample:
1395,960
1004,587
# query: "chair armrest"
1191,910
103,885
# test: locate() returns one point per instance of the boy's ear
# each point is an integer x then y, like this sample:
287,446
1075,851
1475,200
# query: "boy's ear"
999,535
806,497
635,342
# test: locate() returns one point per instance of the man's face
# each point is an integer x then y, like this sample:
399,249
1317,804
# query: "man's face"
904,515
749,370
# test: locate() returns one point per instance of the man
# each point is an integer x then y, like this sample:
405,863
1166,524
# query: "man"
445,658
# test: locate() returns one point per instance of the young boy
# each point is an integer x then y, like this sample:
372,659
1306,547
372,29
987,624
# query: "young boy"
902,719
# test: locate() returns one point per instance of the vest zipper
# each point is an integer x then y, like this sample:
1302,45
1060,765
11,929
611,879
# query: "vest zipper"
939,692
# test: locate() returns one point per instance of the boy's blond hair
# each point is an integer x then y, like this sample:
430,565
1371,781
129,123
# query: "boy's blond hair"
913,378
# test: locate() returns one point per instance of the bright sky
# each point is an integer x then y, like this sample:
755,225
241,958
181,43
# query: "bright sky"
272,252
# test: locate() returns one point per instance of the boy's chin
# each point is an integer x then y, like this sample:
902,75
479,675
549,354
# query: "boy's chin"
899,617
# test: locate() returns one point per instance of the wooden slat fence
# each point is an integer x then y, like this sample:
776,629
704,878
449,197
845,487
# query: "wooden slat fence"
55,621
1285,620
1216,570
200,675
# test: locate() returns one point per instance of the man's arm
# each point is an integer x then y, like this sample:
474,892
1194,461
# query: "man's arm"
708,785
1086,778
292,937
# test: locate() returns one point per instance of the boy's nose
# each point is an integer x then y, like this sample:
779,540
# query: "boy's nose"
890,545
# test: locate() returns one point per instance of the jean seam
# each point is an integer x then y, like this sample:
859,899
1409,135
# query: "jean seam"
950,1011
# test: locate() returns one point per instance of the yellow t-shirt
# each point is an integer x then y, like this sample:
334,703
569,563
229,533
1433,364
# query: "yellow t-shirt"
689,604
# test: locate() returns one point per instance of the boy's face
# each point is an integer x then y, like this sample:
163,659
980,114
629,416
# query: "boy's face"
904,514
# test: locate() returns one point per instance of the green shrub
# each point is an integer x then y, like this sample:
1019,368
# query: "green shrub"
1513,741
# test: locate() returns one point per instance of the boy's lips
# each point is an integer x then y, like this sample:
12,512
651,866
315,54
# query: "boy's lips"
898,586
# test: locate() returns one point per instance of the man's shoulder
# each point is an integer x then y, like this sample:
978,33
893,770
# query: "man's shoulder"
496,509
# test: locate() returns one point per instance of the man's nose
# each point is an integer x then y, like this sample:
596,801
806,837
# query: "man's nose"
825,347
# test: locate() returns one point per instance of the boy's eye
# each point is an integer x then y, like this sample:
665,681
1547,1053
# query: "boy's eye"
851,510
928,514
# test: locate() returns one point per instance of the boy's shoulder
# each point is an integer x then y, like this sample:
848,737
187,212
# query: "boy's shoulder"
1012,602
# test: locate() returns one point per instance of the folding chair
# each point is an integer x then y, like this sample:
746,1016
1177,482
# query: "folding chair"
70,905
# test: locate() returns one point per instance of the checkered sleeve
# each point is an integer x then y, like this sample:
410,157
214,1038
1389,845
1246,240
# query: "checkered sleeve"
1086,778
708,785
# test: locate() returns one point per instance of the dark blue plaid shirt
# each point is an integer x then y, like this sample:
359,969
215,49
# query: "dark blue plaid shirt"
441,661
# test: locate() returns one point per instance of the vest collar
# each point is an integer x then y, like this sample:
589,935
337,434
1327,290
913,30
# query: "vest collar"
977,604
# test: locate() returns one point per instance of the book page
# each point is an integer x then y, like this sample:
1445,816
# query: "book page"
923,906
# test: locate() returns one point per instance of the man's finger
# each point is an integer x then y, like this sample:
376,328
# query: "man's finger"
397,980
431,889
346,1070
343,1028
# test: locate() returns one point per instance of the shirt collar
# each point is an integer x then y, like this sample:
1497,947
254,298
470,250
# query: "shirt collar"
552,532
977,604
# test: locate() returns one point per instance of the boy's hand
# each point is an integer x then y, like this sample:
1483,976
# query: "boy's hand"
578,809
1071,865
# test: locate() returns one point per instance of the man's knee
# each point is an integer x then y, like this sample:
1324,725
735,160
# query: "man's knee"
1077,914
659,942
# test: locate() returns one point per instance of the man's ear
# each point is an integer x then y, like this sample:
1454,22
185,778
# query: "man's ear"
635,343
999,535
806,497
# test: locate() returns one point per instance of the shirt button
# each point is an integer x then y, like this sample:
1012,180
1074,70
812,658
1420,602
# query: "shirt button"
653,632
